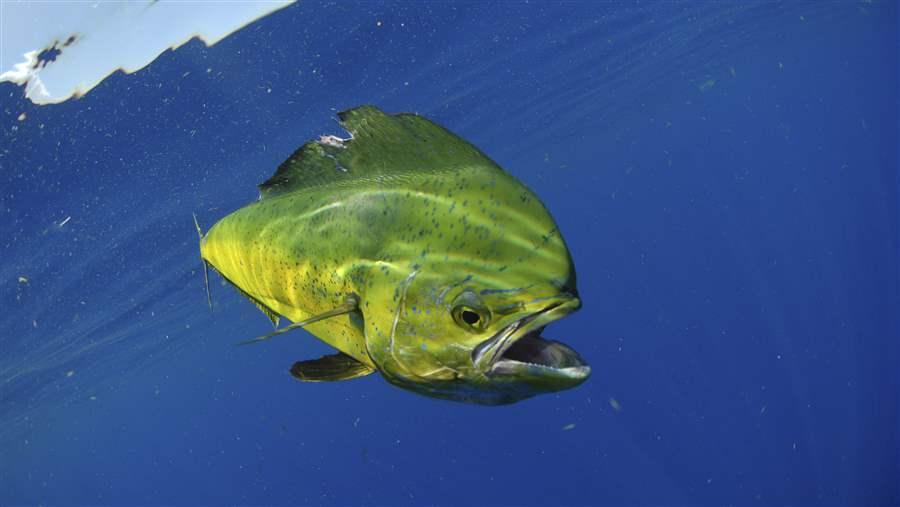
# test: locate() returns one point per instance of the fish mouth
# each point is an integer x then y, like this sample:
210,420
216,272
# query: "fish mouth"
519,351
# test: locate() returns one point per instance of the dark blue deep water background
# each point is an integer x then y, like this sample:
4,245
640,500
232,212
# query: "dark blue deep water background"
725,174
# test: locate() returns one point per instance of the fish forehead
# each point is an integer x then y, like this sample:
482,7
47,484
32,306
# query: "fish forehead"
450,210
465,210
503,246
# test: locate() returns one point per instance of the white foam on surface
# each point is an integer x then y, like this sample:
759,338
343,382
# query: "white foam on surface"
94,39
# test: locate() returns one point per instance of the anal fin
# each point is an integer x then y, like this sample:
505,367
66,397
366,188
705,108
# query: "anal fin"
330,368
270,313
274,317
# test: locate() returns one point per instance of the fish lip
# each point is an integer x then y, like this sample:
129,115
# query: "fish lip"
488,353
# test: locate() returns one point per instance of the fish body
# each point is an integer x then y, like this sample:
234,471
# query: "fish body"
451,265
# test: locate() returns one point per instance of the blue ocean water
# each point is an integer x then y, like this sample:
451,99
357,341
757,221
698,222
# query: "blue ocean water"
725,174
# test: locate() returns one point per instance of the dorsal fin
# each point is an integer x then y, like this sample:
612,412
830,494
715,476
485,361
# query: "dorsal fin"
381,146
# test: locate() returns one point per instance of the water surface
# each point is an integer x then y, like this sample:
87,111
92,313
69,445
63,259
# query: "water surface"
725,175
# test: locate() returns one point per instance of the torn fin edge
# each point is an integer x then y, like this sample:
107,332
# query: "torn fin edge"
205,264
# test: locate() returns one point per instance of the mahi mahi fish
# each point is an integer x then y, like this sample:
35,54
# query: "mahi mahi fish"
414,255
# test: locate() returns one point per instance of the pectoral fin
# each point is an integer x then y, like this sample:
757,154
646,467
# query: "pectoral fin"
350,304
338,366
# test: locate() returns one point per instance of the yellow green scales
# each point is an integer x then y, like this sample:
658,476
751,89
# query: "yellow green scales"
411,253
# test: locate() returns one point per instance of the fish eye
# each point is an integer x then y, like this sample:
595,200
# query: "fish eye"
470,313
470,317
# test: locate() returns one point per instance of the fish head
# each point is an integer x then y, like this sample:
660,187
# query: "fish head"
468,325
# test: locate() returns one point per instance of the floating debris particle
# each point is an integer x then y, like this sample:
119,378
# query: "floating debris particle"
93,398
569,427
22,117
706,85
23,279
64,222
614,403
70,373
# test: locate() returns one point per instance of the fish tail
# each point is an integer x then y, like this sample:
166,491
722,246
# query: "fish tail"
205,264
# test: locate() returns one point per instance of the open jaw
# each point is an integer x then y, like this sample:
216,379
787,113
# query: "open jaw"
533,351
519,351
